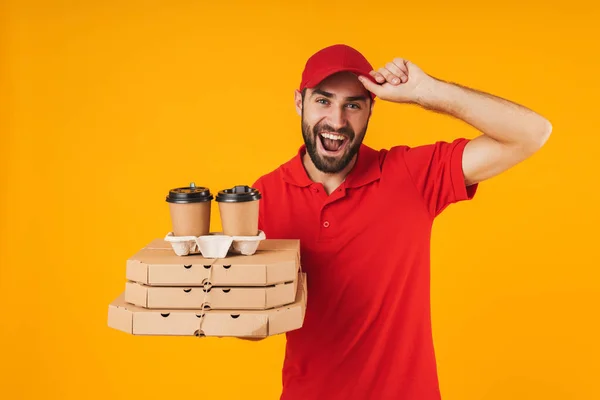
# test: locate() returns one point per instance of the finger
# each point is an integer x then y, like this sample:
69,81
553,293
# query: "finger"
389,76
402,64
378,77
397,71
370,85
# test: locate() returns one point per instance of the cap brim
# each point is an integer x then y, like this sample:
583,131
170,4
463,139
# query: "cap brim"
322,75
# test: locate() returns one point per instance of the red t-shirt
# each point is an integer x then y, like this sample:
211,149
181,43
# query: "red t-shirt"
366,251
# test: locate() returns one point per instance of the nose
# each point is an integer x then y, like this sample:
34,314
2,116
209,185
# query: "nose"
337,118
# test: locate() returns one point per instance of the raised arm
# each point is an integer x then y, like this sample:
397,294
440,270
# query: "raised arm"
510,132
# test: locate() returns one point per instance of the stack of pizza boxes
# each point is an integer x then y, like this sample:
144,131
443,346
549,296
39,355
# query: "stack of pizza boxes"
212,285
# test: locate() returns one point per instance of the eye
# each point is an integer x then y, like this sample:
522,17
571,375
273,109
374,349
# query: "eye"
354,106
322,101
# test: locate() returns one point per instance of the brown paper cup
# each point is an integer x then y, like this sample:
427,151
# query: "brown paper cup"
189,208
239,219
239,207
191,219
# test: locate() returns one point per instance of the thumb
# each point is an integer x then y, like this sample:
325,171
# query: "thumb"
370,85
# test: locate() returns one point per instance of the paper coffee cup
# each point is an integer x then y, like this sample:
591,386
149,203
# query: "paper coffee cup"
239,207
189,208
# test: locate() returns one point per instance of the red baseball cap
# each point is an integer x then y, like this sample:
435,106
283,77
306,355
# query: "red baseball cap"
333,59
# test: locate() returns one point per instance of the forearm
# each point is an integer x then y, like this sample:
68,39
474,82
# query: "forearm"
500,119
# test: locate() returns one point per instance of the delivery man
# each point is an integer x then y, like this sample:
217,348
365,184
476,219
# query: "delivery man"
364,219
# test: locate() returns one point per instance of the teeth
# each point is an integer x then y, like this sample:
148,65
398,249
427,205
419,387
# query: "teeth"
332,136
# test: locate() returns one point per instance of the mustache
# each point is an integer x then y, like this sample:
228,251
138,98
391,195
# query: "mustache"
346,131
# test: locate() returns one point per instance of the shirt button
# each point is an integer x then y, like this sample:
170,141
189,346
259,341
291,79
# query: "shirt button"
326,224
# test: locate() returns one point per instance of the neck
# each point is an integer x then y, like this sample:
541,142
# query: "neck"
330,181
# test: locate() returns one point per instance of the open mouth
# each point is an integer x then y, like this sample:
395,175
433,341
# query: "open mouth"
332,144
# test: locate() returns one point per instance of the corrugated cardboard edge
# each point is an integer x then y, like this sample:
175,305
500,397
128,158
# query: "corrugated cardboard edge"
293,317
136,271
120,318
276,292
280,320
141,295
136,293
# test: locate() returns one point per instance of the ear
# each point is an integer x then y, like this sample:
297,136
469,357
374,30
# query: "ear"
298,101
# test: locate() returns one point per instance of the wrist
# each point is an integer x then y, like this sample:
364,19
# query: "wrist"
429,92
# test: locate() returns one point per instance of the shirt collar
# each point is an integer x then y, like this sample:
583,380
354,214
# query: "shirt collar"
366,170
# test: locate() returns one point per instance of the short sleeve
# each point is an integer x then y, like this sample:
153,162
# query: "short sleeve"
436,171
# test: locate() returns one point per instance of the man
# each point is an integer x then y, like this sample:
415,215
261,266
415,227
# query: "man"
364,220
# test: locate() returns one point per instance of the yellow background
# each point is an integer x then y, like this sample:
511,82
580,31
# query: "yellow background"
108,104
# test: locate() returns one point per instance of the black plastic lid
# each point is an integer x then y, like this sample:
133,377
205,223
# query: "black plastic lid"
190,194
238,194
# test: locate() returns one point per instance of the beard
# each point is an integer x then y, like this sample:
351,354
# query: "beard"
326,164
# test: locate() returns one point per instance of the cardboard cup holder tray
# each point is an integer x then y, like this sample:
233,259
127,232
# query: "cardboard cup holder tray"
214,245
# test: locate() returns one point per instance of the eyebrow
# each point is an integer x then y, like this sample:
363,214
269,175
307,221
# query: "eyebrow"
331,95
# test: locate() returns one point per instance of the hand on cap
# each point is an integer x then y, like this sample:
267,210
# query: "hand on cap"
398,81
